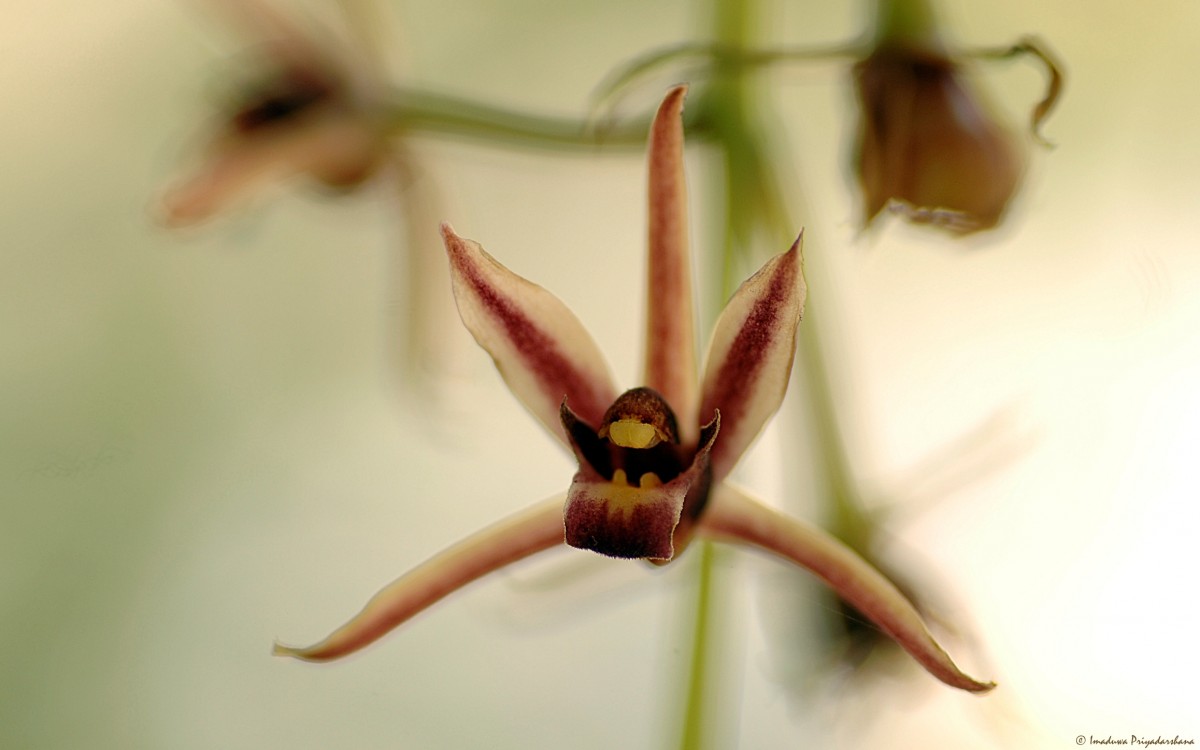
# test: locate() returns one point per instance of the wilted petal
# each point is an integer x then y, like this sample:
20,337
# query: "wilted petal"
540,348
518,537
750,355
670,324
735,517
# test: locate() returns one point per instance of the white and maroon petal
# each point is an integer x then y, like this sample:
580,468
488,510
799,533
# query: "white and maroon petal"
735,517
540,348
670,323
750,355
538,528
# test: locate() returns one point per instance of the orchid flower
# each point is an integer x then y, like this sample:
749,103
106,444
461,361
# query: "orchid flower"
312,118
320,115
654,461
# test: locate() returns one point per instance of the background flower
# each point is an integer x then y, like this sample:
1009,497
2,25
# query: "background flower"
930,146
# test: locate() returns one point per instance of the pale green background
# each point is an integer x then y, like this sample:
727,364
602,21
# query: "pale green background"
206,441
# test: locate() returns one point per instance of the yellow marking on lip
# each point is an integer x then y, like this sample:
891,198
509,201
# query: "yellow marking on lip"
649,481
630,433
622,497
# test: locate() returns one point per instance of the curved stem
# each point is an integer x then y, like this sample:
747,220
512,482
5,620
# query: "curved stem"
427,112
714,54
1037,49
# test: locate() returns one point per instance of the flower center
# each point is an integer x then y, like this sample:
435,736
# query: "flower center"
637,443
281,100
642,448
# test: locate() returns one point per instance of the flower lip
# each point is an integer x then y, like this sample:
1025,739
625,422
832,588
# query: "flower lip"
643,507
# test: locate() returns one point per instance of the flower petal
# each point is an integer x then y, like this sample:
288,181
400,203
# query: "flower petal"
670,321
537,528
540,348
750,355
735,517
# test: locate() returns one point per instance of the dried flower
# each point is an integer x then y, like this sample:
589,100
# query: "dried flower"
929,146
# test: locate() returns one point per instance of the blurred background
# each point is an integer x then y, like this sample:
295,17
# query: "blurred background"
214,437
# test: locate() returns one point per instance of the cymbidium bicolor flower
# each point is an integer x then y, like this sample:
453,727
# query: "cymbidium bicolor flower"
310,118
654,461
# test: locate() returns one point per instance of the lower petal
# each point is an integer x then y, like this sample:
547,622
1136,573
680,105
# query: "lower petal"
735,517
619,520
536,529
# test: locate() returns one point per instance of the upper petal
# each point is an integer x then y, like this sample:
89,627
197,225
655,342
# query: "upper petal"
734,517
670,323
538,528
540,348
750,355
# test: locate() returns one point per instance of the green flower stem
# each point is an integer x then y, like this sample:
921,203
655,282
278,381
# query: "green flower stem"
713,54
416,111
911,23
1031,46
725,107
695,728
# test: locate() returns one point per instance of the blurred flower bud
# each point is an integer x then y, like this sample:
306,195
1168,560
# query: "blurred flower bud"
929,146
310,118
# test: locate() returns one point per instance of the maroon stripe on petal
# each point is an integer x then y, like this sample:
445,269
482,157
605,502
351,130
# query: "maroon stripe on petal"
540,348
750,355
